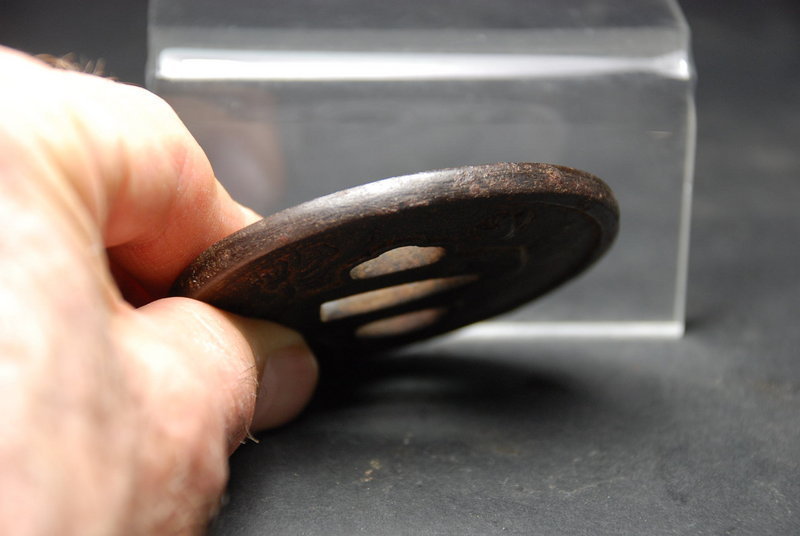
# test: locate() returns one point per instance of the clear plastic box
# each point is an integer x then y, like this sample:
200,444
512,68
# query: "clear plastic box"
293,100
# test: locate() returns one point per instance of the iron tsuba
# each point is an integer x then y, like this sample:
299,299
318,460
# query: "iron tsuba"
407,258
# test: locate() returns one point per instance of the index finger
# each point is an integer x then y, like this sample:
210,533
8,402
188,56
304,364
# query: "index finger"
139,174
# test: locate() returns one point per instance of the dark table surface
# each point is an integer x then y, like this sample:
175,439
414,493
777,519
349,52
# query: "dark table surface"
695,436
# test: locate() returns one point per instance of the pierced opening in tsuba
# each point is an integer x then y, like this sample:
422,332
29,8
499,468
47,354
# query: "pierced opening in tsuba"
397,325
398,260
388,297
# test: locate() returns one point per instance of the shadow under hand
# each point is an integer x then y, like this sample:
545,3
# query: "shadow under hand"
468,384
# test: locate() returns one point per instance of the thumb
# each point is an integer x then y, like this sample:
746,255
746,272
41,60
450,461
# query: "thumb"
260,374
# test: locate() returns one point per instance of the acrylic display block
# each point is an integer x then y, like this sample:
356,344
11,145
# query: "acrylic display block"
293,100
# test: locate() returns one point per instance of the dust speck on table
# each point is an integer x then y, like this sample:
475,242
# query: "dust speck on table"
374,466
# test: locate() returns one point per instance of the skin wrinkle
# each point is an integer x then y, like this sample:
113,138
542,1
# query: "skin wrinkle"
86,179
250,382
120,192
180,462
123,198
227,382
240,372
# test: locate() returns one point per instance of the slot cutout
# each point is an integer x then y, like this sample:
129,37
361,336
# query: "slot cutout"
383,298
400,324
397,260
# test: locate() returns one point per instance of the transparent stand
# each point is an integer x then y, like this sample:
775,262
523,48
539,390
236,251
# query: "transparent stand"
292,100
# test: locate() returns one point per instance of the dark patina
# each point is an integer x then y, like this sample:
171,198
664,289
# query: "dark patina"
403,259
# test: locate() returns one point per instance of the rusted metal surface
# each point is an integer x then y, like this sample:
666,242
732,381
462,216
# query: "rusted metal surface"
407,258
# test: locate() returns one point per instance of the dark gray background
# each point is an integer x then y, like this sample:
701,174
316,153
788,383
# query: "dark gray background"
696,436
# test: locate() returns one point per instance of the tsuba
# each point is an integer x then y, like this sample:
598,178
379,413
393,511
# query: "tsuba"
403,259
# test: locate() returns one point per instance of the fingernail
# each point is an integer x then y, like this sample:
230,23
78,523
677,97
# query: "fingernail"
287,383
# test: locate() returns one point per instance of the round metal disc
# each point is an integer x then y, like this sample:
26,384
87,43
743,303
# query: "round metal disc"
403,259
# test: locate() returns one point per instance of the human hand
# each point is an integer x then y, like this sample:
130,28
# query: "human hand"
116,419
